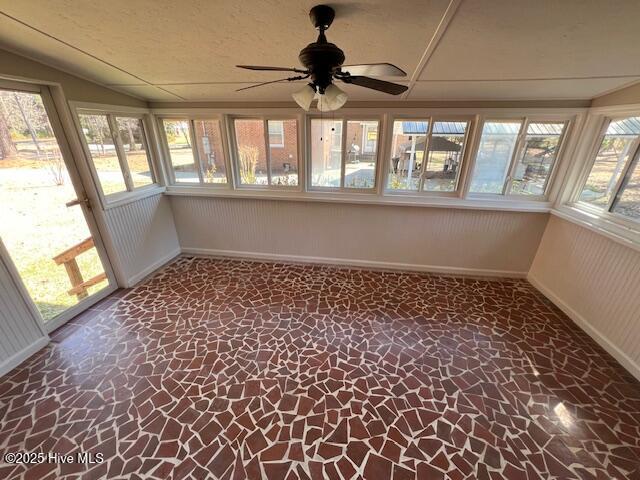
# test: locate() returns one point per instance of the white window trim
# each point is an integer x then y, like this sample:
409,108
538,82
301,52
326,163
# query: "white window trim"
569,122
568,206
345,118
235,159
112,111
466,151
164,146
378,195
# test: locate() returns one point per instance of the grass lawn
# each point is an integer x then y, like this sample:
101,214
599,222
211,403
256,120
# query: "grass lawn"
36,226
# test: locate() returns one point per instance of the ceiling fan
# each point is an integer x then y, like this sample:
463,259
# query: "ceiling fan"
323,64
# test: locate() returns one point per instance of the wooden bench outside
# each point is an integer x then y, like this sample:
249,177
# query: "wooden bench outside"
68,259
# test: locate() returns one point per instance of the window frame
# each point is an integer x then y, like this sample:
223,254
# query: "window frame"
131,193
467,146
518,150
346,117
235,159
164,144
606,213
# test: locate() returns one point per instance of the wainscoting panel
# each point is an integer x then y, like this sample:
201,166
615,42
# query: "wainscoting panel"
20,335
596,281
144,236
471,242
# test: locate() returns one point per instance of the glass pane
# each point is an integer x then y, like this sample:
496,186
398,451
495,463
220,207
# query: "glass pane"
326,152
613,154
97,134
494,156
276,133
37,227
629,202
407,154
445,156
209,145
283,151
252,154
135,148
538,156
180,151
362,150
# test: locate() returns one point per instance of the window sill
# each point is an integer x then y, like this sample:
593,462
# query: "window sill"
120,199
617,231
365,199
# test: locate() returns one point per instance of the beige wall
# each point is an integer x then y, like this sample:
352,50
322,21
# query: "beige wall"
624,96
596,281
411,238
74,88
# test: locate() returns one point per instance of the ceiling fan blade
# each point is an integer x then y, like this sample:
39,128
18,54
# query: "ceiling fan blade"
290,79
375,70
274,69
375,84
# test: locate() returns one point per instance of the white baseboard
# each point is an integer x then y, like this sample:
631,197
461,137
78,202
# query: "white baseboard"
584,324
348,262
17,358
132,280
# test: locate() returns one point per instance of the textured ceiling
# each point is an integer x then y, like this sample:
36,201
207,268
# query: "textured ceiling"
451,49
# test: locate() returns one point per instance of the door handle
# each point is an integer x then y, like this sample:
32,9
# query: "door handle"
79,201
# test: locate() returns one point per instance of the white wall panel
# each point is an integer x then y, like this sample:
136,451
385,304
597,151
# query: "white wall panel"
596,281
144,236
20,335
435,239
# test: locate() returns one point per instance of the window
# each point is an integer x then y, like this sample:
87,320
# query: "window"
442,146
135,149
351,167
270,160
534,163
119,151
497,145
276,134
199,162
613,183
509,163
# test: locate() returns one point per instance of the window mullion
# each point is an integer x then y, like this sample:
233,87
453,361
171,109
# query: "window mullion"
343,153
425,156
121,154
267,149
194,151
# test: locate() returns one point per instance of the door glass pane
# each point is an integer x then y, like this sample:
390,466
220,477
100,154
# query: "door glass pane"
494,156
49,243
326,152
445,156
538,155
362,150
180,151
135,148
100,142
407,154
252,153
283,151
629,202
614,152
209,144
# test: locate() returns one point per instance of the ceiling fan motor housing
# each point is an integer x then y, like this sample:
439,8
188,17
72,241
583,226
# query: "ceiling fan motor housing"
321,59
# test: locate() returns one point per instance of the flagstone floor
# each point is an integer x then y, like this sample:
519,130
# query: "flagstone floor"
235,369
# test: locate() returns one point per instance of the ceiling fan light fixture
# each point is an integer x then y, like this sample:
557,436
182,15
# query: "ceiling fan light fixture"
305,96
332,99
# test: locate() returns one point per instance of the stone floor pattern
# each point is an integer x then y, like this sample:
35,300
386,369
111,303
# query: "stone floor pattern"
235,369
